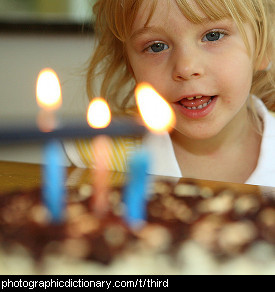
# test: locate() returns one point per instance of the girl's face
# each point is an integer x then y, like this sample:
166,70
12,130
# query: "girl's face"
204,70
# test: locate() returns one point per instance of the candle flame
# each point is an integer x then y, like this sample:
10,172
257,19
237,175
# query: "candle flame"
48,90
154,109
99,114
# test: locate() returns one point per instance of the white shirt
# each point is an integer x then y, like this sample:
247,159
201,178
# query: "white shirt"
164,161
264,174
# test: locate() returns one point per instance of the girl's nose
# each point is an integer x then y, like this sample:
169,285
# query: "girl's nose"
187,65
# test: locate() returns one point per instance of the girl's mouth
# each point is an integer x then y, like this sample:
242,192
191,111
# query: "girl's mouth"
196,102
197,107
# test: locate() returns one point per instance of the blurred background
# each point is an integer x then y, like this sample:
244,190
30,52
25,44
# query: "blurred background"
35,34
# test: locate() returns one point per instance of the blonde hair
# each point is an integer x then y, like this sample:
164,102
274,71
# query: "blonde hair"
114,20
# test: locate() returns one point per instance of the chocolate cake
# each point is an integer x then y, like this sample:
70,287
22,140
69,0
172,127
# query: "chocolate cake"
188,230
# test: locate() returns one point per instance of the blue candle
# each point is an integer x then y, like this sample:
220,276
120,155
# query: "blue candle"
54,178
136,189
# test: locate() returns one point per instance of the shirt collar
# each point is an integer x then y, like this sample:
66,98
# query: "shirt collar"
264,173
163,159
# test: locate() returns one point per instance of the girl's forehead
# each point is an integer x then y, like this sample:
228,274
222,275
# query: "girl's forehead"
194,10
150,10
163,10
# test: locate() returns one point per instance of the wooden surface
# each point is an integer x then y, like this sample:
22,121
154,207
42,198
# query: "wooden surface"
16,176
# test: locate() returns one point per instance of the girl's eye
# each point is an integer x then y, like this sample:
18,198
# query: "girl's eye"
213,36
157,47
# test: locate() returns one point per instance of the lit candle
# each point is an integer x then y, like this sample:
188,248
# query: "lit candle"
159,118
48,94
99,117
49,98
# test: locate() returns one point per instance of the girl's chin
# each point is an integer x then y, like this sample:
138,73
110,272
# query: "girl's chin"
198,133
203,129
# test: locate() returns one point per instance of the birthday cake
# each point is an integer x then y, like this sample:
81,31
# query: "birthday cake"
188,230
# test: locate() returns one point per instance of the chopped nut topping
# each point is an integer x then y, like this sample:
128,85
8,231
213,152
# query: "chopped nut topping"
206,232
234,236
85,191
39,214
162,188
220,204
186,190
115,235
82,225
155,236
78,248
267,217
246,204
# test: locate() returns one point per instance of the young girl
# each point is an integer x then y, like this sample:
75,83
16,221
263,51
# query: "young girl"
213,61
